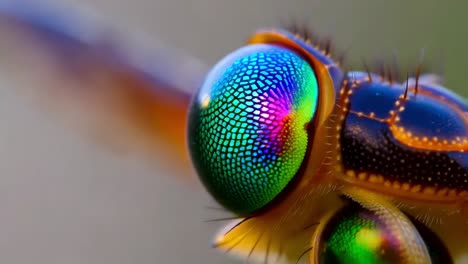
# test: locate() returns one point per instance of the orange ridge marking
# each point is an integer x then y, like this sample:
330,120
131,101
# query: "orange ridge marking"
425,143
422,142
374,179
369,116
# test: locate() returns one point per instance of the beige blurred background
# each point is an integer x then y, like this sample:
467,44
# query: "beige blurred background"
64,200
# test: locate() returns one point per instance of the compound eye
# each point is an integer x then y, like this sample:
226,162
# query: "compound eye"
248,127
357,235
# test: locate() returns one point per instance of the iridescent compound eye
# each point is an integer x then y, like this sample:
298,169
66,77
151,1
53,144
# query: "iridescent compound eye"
248,125
357,235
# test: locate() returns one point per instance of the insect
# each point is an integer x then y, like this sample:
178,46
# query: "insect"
280,135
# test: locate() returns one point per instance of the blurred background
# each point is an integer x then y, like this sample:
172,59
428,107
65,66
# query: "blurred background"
65,200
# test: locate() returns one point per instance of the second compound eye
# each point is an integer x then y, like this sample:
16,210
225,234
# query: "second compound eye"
248,125
357,235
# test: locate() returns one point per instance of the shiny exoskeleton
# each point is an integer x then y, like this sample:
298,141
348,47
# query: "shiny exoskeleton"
401,139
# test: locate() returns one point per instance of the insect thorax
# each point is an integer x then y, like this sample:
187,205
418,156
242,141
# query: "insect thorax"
401,140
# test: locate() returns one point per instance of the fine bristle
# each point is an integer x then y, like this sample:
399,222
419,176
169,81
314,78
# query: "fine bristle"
390,70
324,44
367,70
418,71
